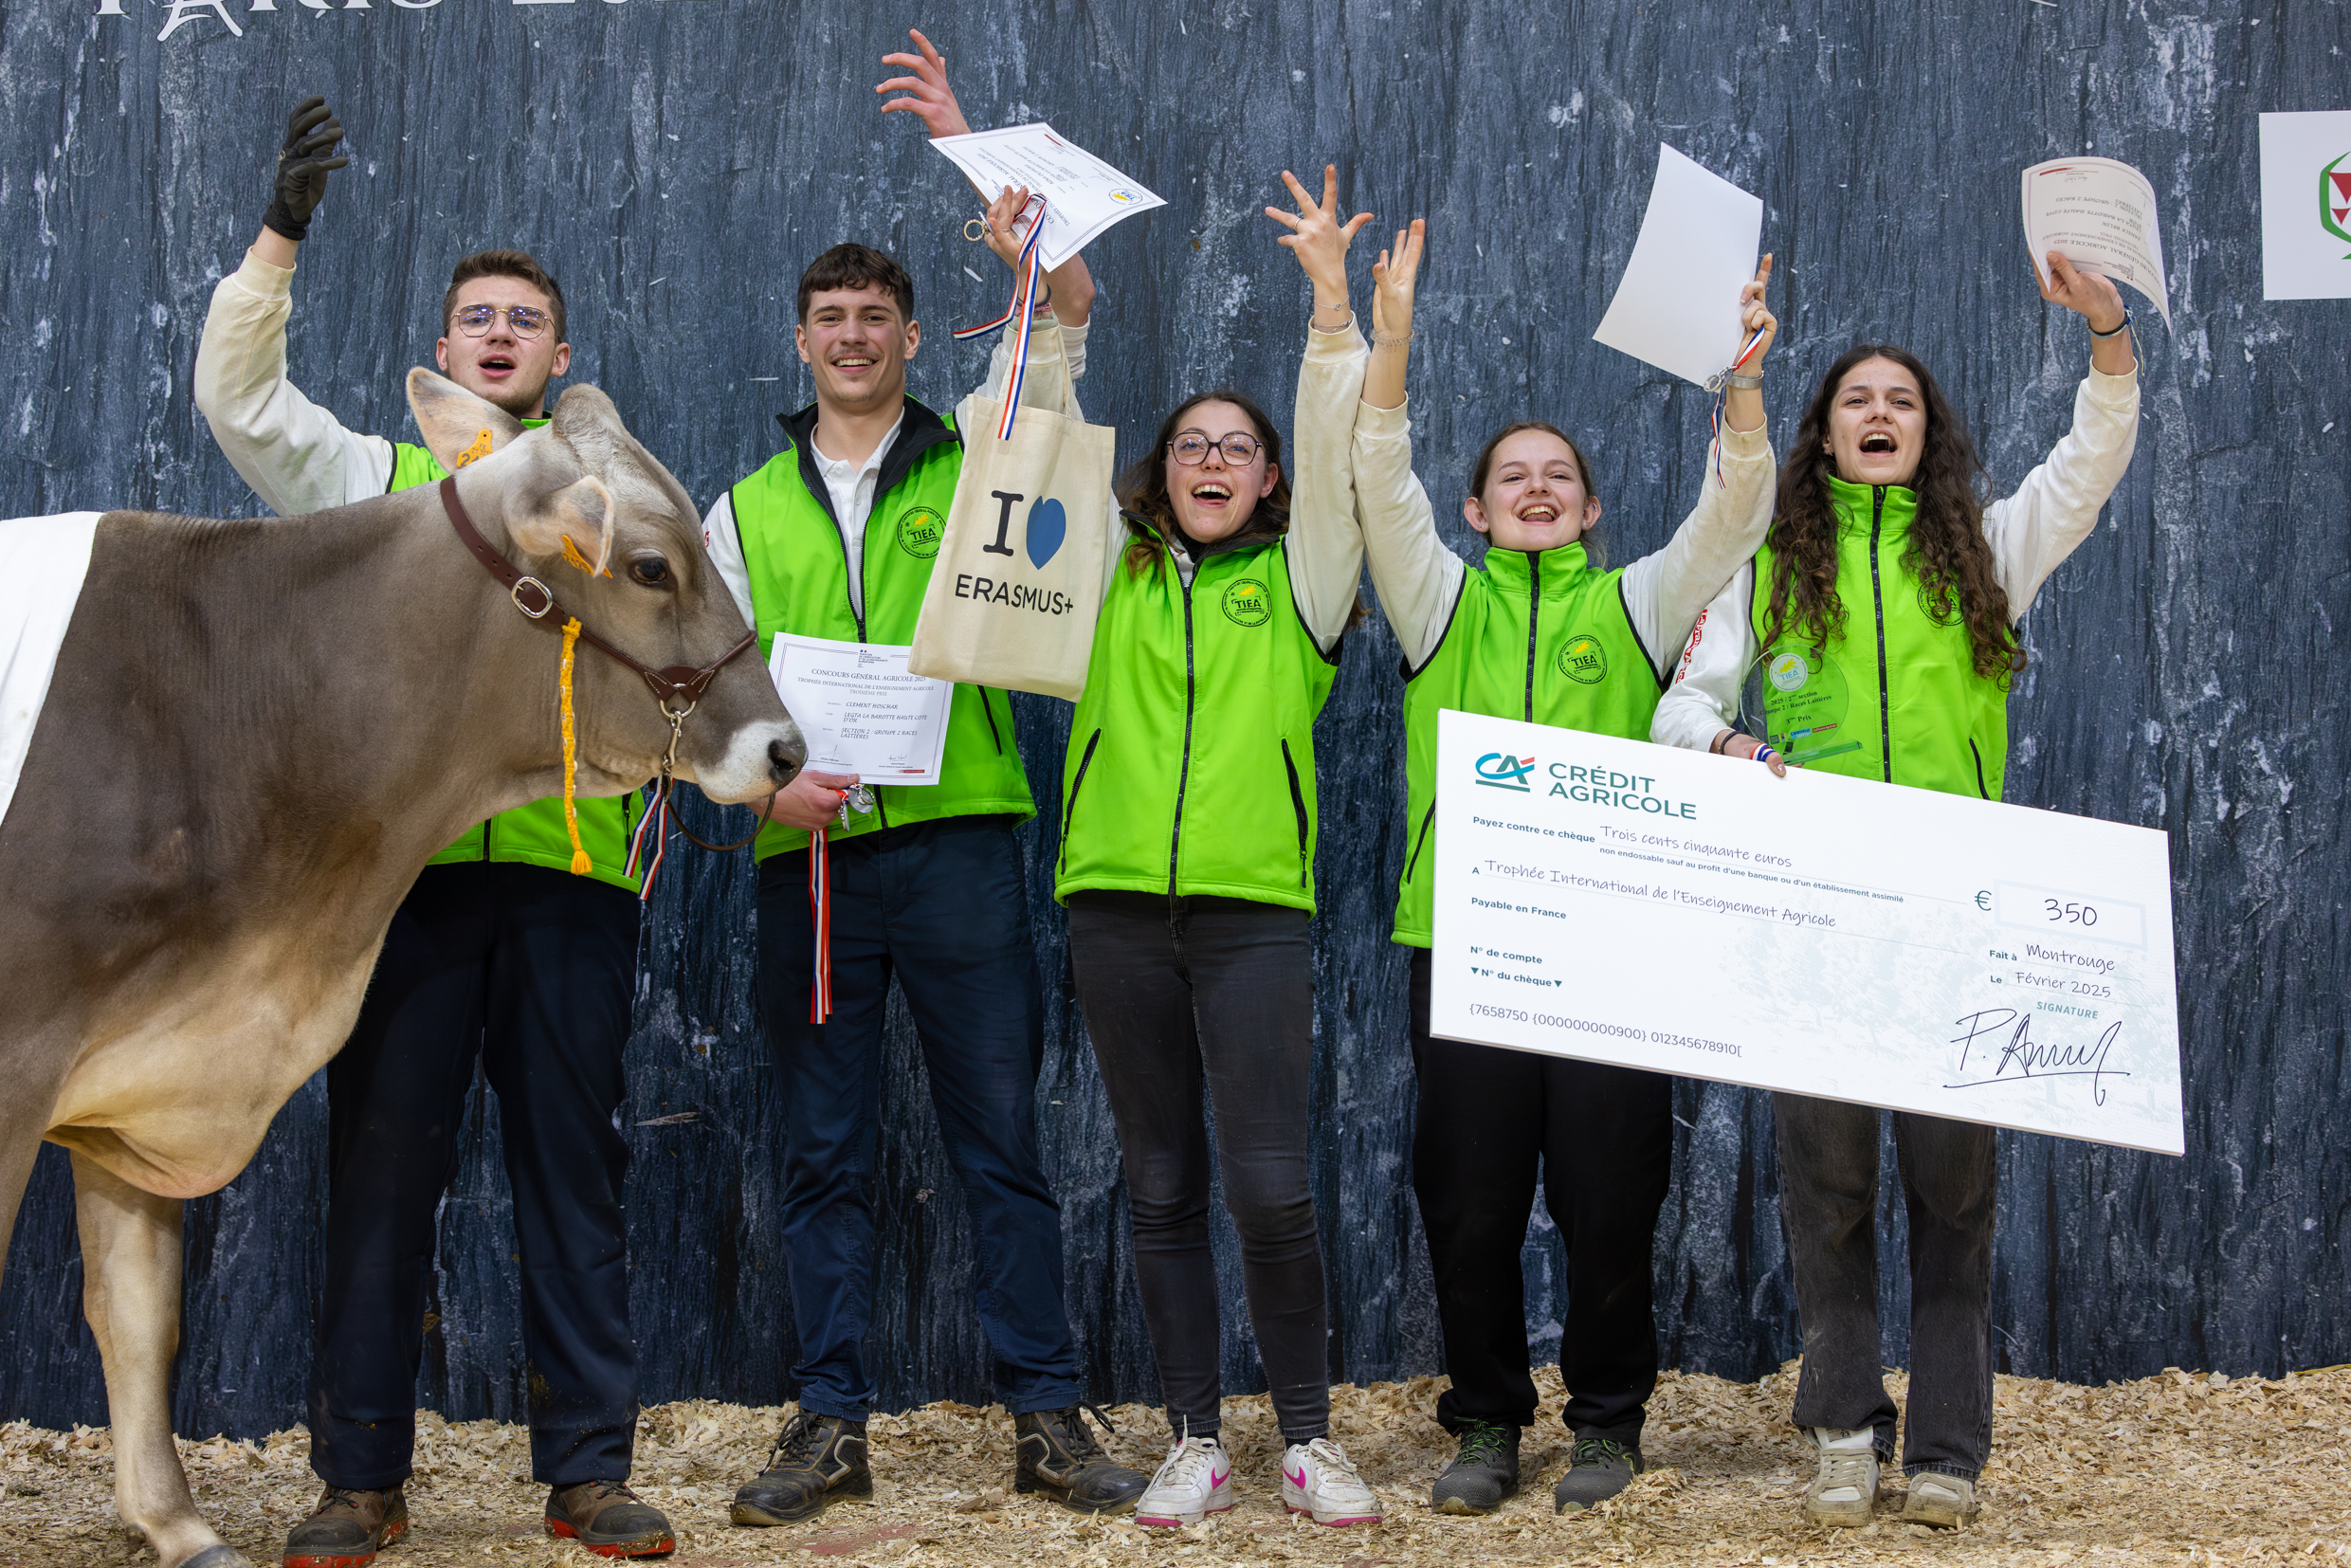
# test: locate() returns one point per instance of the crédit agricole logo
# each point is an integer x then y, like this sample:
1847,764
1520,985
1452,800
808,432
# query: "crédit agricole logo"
2335,199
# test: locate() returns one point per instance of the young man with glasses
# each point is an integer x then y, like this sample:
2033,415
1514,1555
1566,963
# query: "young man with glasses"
835,537
499,953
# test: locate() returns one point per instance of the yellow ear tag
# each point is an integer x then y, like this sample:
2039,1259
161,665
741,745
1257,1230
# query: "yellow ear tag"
570,552
475,453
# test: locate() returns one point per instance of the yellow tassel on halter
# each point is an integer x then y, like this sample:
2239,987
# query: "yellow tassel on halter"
580,863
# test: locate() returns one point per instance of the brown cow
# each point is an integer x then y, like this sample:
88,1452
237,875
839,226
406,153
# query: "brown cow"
256,733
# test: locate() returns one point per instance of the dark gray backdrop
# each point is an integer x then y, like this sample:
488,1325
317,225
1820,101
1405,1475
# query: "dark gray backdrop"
677,161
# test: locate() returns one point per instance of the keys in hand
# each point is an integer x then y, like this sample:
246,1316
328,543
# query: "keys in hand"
857,798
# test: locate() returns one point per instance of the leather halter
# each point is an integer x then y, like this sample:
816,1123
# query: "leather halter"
538,601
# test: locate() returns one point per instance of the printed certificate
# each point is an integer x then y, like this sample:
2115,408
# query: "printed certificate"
1082,194
860,711
1662,908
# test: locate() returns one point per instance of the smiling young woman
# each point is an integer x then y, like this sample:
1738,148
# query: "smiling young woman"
1187,862
1537,630
1886,605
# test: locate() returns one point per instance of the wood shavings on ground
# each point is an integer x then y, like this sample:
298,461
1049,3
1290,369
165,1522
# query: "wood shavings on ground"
2179,1468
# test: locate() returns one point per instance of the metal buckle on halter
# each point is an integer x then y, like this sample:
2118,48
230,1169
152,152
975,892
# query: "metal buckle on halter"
548,594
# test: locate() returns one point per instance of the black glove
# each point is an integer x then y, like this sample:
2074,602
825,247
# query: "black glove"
311,133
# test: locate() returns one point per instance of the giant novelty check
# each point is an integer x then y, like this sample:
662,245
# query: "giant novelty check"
1662,908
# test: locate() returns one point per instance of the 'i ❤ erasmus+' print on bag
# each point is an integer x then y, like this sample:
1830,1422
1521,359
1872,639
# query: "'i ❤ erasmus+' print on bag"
1019,582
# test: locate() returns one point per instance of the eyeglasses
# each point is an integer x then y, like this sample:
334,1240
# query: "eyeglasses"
1190,448
523,321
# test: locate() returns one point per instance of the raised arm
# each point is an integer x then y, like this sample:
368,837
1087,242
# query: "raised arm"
2032,530
1700,711
297,456
1664,592
1417,577
1325,548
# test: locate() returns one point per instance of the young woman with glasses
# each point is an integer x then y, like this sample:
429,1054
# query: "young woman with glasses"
1187,863
1885,606
1537,630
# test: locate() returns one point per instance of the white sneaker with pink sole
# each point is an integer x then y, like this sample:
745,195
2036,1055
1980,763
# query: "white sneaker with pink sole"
1194,1481
1319,1480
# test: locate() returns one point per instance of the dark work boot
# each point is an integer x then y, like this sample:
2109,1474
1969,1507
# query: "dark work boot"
347,1527
817,1459
1483,1474
1060,1459
1602,1468
606,1518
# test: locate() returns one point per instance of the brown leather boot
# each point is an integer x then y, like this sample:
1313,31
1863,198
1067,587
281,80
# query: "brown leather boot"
347,1529
606,1518
1060,1459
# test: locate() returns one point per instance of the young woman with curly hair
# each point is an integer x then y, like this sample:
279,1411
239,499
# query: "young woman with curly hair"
1879,625
1187,864
1535,626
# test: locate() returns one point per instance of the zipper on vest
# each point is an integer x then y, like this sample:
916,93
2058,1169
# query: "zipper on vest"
1183,776
1979,777
1069,812
1420,843
1534,622
992,720
1298,804
1877,602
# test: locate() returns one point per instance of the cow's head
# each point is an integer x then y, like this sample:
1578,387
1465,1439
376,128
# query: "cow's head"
580,505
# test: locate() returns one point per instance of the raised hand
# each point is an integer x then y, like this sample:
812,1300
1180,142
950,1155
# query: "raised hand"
1006,226
928,96
311,133
1393,276
1753,314
2088,295
1319,239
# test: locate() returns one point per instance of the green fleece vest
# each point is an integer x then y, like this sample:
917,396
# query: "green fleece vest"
1190,759
798,564
1542,637
1895,696
532,835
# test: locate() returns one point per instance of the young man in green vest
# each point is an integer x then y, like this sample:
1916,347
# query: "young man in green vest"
834,537
499,953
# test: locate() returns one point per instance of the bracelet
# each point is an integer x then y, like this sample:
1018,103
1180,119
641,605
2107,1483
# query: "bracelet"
2118,330
1721,740
1381,339
1746,383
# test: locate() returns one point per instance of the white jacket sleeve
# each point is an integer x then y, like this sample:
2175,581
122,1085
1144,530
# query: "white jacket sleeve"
1325,547
722,541
2057,507
1417,574
1704,699
1665,592
293,452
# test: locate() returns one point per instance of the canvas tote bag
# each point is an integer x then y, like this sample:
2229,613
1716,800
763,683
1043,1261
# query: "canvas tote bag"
1017,584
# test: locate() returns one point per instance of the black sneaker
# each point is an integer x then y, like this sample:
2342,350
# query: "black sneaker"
1483,1475
347,1529
1060,1459
817,1458
610,1520
1602,1468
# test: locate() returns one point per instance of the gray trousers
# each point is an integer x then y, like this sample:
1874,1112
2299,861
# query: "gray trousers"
1828,1205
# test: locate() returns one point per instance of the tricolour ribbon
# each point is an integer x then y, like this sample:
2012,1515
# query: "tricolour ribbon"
820,907
1714,415
1020,315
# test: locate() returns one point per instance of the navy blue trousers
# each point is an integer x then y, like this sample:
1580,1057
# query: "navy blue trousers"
943,907
529,971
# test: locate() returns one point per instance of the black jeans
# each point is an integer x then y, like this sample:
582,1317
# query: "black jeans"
529,970
1605,1137
1828,1204
1189,996
942,906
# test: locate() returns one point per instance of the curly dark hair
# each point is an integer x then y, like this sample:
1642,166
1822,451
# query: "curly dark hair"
1143,489
1947,552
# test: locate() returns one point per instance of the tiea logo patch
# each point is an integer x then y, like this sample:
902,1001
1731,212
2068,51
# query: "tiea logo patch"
1247,603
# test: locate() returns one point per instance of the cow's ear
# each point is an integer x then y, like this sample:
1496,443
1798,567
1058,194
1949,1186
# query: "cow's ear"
575,522
459,428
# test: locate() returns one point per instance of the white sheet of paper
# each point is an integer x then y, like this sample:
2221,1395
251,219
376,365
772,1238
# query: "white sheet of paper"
1664,909
1677,307
2100,216
859,711
1082,194
2305,206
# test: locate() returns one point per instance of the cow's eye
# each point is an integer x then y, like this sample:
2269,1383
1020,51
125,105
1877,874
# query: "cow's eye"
649,570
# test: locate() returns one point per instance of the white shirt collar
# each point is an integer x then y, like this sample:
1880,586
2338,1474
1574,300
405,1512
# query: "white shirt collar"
838,467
